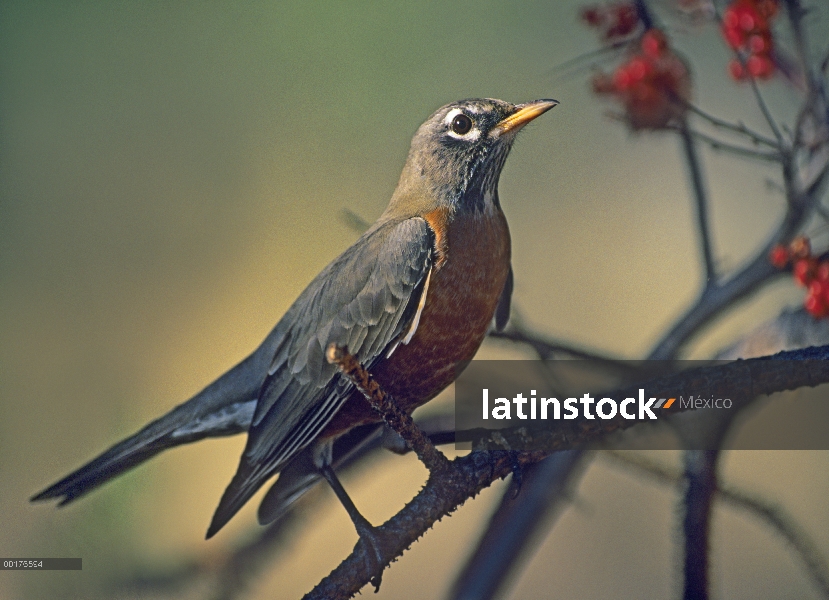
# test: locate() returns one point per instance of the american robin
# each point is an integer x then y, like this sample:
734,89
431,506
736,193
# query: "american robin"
412,299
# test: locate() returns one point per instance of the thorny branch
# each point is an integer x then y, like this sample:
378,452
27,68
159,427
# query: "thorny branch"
398,420
446,489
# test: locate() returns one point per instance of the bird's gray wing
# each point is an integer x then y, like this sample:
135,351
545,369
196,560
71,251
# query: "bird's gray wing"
363,301
504,303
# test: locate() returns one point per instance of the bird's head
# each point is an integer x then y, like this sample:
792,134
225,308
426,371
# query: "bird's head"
457,155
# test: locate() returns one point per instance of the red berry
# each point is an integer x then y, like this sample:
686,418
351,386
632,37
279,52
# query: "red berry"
779,256
760,66
736,70
822,273
757,44
649,83
745,27
654,43
747,21
815,306
734,37
804,271
639,68
622,78
815,302
624,18
730,18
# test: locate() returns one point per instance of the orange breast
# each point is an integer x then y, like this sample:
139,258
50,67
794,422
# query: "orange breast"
470,272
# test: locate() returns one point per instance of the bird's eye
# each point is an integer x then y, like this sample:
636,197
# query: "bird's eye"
461,124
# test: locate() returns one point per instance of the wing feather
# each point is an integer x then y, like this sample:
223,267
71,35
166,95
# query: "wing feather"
364,300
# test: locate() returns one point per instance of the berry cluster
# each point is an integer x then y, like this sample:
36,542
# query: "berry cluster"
652,84
809,271
614,21
746,27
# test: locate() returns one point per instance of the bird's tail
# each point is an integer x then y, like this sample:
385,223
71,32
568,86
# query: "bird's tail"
223,408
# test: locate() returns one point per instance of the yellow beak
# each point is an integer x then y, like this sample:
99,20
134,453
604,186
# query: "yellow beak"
526,113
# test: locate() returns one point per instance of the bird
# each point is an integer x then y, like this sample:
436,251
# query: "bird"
412,299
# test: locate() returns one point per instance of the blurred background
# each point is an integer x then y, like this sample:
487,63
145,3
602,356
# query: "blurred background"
172,176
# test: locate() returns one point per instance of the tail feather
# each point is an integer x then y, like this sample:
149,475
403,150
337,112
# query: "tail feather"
245,483
223,408
299,476
171,430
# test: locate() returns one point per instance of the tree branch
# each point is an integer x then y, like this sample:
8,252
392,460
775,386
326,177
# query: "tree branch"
448,488
701,483
715,298
764,108
770,514
517,523
444,492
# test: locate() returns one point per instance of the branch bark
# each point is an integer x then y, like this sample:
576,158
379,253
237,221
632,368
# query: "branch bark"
446,489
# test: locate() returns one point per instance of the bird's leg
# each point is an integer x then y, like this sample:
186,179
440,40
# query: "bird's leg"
397,419
367,532
400,422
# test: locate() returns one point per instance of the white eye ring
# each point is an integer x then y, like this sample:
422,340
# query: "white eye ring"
473,134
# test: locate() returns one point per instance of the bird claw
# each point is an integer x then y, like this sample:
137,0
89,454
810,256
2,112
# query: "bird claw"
370,539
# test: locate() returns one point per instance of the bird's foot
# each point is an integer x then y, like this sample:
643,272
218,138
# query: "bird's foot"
370,538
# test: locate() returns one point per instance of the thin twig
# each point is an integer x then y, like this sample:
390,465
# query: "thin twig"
700,201
761,103
738,127
716,299
796,12
716,144
590,55
547,348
